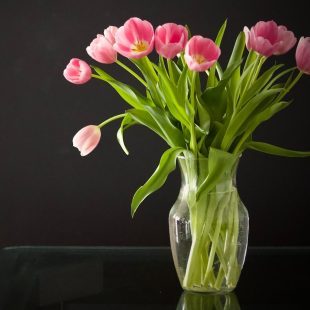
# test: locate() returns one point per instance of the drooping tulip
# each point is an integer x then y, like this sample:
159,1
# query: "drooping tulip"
303,55
267,38
135,39
77,71
87,139
101,48
170,39
201,53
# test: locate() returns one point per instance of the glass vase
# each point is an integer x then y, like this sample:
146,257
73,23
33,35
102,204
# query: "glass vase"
209,232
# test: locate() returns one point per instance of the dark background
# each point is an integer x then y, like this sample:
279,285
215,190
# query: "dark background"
50,195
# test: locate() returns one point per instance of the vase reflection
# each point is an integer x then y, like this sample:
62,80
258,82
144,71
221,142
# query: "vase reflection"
200,301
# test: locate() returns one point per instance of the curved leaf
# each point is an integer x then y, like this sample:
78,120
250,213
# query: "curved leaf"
144,118
243,115
174,136
166,165
126,123
128,93
169,90
276,150
259,84
212,79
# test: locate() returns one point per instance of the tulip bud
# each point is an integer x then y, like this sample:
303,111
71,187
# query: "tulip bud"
77,71
101,48
87,139
170,39
303,55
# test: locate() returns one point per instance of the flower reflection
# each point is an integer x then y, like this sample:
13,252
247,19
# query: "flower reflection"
197,301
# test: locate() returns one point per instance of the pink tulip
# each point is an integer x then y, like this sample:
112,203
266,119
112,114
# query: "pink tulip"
201,53
286,40
135,39
77,71
101,48
170,39
267,38
109,33
303,55
87,139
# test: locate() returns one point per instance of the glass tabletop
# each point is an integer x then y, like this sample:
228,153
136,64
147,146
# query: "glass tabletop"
142,278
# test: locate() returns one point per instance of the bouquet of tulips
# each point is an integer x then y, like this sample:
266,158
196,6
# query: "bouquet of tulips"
200,108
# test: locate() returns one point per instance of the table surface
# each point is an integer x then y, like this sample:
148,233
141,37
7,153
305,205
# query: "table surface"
143,278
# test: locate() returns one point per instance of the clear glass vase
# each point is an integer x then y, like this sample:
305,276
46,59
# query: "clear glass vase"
209,232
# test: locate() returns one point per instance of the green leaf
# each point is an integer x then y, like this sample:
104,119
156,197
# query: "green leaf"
149,74
250,59
215,98
128,93
236,57
181,62
162,65
166,166
220,34
276,150
218,41
215,101
259,84
204,117
126,123
176,107
174,136
238,49
253,122
182,86
145,119
241,117
219,162
175,71
277,77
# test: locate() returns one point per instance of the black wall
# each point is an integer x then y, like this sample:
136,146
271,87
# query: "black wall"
51,195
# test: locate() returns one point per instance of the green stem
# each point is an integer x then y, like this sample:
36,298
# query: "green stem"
150,68
193,142
289,88
170,69
201,220
132,73
233,274
111,119
252,76
221,206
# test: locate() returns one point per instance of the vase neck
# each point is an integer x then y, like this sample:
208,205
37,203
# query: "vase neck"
195,171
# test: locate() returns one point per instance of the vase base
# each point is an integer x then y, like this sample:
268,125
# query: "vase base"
208,290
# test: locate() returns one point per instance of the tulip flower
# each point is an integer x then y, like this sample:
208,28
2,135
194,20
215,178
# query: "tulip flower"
135,39
170,39
303,55
87,139
77,71
201,53
101,48
267,38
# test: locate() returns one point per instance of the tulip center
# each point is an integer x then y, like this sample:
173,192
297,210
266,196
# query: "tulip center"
199,58
140,46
